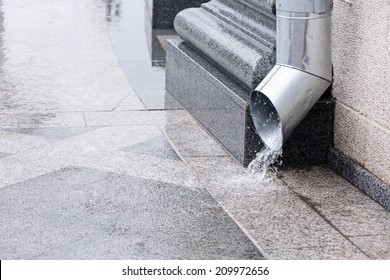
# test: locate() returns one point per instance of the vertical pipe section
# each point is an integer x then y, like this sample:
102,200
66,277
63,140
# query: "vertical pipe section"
302,73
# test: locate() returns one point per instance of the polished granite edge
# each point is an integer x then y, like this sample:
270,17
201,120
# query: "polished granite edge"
237,45
360,177
234,90
220,104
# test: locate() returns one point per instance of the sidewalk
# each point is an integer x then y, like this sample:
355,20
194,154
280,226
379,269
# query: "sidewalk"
97,161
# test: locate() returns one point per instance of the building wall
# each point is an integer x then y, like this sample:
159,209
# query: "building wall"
361,60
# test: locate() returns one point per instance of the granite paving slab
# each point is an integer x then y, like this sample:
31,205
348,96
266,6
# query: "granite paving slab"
65,215
41,119
12,142
302,177
3,155
131,118
192,140
56,133
286,222
158,147
376,247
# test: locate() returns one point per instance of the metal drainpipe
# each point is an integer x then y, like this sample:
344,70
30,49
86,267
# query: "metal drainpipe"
302,73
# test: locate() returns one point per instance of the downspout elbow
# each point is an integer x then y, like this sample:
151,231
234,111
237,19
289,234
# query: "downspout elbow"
302,73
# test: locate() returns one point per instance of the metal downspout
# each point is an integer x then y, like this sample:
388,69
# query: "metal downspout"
302,73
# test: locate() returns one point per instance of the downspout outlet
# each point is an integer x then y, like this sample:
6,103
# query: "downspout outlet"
302,73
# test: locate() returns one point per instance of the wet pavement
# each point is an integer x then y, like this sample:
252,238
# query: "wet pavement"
97,161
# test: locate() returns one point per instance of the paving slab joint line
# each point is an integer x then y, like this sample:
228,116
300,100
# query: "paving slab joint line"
242,228
85,120
312,206
200,181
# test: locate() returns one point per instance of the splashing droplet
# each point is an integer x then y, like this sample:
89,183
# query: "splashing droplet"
264,166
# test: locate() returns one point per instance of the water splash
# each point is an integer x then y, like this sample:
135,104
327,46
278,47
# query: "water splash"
264,166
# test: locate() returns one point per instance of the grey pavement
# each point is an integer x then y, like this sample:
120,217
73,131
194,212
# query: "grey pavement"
97,161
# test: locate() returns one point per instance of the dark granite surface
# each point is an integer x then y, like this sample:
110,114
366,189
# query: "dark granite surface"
310,142
312,139
219,103
360,177
162,12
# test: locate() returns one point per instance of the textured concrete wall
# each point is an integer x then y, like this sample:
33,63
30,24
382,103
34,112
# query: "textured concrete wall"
361,59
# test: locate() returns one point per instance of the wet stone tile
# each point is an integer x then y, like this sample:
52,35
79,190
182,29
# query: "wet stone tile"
191,140
135,118
32,120
130,46
130,103
57,133
157,147
142,75
377,247
2,155
228,181
348,209
13,143
153,99
54,216
147,167
14,170
341,250
310,176
282,221
164,170
158,99
120,118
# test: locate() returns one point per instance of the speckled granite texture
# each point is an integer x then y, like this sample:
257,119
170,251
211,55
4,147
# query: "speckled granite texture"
219,103
163,12
236,37
360,177
267,6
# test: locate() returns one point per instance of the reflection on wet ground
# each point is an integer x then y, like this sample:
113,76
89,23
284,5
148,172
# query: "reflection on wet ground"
139,52
51,56
113,9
